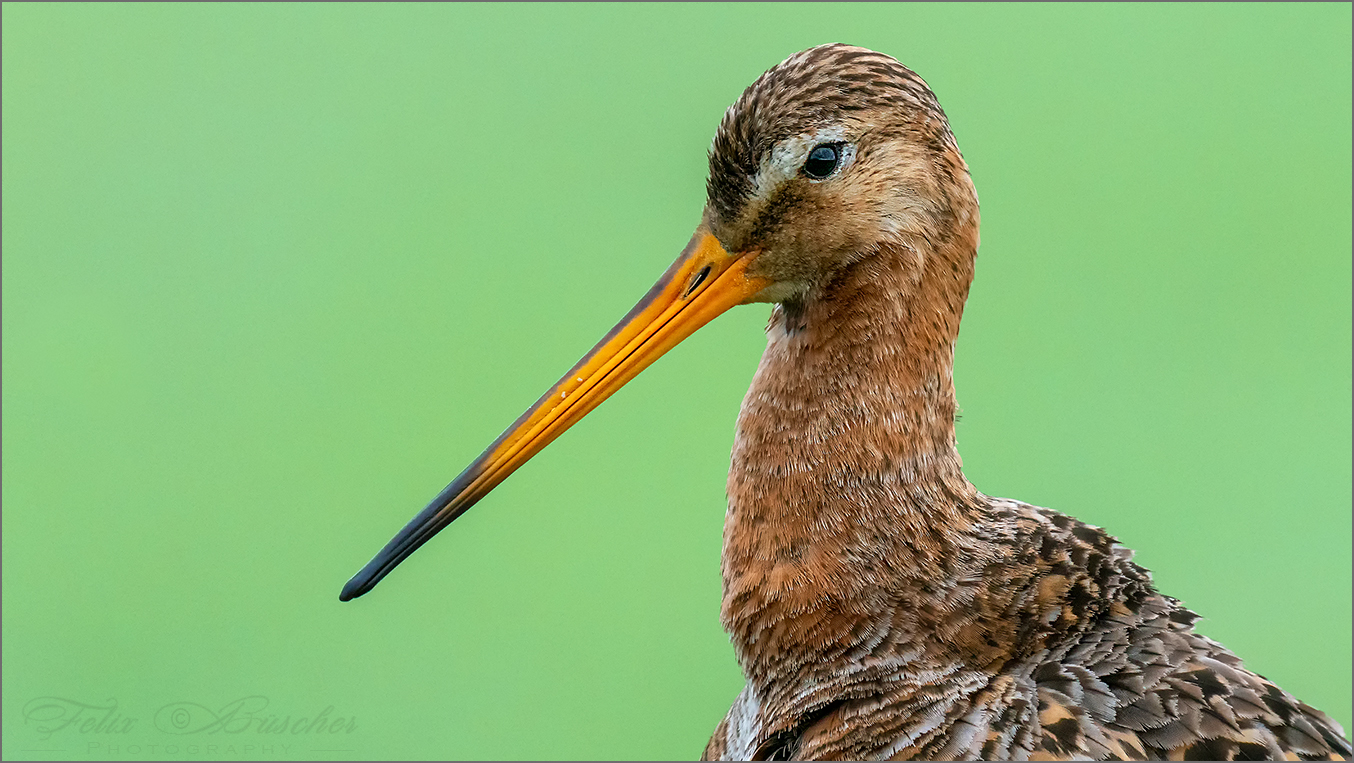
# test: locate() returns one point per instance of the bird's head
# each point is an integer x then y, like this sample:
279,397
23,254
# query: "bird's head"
831,155
825,160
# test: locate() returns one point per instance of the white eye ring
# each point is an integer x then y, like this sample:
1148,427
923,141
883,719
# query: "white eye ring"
788,159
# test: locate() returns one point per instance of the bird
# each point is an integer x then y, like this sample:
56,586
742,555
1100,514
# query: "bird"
879,605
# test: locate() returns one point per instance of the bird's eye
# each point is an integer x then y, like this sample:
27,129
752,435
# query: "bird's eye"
822,161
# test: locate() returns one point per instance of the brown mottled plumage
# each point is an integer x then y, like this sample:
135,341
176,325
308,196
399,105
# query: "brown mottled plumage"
880,606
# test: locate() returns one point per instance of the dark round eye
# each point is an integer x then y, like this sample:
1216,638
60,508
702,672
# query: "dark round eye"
822,161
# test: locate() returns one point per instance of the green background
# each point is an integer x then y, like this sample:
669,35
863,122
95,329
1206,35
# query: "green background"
274,274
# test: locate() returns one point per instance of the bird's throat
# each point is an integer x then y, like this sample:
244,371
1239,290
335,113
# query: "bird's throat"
845,483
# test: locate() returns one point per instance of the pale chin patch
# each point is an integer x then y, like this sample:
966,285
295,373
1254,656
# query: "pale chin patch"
782,291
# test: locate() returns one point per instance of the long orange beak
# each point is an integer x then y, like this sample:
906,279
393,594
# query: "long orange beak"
703,282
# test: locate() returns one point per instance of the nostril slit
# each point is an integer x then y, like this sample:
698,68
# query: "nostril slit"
697,281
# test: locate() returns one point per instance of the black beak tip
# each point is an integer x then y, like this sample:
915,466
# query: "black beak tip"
353,589
365,580
428,523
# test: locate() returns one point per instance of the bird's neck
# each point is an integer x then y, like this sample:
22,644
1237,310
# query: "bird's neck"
845,487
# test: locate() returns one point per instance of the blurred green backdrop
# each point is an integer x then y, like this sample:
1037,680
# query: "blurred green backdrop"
274,273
